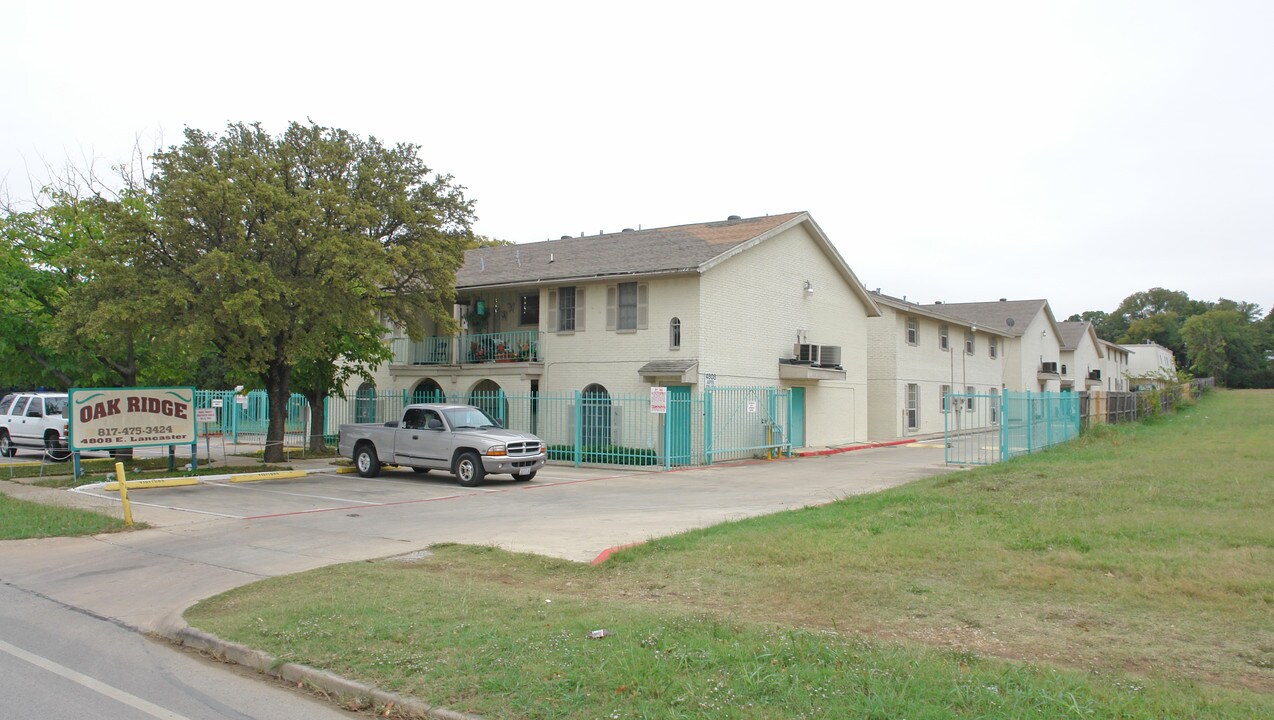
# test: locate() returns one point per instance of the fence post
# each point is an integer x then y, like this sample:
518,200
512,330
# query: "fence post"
1048,421
578,439
1030,422
1004,424
707,425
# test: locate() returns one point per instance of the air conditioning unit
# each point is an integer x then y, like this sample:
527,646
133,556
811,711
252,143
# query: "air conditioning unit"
1048,367
829,355
806,353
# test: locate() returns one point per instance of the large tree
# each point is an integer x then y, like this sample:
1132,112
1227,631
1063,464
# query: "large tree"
1224,344
275,248
67,319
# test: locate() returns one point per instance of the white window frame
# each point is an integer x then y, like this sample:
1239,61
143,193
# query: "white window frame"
911,410
943,392
995,347
674,334
970,343
913,331
944,337
970,391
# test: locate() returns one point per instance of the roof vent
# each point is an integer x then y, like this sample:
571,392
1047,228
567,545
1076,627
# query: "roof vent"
733,217
937,302
626,230
565,237
1004,299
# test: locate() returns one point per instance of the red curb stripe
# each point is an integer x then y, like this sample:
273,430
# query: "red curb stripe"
852,448
604,555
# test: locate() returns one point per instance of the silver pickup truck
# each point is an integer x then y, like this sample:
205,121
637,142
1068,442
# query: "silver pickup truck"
433,436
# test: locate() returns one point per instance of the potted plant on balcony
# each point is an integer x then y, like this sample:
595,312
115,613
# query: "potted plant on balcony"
502,353
525,351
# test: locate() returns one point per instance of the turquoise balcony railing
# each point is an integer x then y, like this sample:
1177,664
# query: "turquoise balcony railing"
468,349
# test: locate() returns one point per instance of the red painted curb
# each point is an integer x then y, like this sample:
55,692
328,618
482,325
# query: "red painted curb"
852,448
605,554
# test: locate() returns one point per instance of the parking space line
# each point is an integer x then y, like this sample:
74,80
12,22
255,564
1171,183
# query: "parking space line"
290,494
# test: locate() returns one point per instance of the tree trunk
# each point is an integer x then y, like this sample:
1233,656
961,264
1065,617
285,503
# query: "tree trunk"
278,388
318,421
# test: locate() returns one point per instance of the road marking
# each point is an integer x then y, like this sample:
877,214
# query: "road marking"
93,684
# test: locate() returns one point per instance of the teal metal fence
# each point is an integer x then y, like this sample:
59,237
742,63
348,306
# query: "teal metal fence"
243,418
985,429
614,429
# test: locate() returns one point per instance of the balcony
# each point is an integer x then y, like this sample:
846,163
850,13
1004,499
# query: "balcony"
522,346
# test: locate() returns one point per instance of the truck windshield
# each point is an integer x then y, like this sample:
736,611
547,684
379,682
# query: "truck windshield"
469,419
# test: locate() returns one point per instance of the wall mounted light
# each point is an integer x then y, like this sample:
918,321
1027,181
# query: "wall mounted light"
809,287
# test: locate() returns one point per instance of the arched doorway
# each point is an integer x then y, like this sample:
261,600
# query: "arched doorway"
490,397
428,391
595,412
365,404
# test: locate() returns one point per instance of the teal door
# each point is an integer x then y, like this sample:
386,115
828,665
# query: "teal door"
678,419
796,417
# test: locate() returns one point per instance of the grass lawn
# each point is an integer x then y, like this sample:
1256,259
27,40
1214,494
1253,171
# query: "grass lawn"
1128,574
20,519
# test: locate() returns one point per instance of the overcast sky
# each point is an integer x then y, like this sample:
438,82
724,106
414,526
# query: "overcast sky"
956,151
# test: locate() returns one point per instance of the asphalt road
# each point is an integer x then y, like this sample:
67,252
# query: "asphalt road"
61,663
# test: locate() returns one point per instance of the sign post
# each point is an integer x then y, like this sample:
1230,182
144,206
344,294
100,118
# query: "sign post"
205,416
659,400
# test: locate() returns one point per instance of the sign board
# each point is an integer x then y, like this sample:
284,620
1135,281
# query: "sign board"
103,418
710,380
752,406
241,399
206,415
659,400
217,402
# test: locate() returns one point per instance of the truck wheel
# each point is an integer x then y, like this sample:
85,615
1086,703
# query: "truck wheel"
421,470
6,445
51,448
469,469
524,478
366,461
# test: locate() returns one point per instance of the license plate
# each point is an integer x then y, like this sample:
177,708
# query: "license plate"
524,471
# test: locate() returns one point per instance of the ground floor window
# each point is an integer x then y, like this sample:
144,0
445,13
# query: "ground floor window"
489,396
427,391
913,406
365,404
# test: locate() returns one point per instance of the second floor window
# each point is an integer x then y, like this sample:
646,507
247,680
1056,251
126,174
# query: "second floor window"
968,342
944,340
627,306
995,347
566,308
913,331
674,334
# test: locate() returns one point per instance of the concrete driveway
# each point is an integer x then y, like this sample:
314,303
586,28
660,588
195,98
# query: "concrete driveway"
212,537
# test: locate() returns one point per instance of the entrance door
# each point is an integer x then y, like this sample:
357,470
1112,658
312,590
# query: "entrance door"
679,421
796,417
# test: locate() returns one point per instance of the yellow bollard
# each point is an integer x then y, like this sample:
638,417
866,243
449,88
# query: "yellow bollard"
123,494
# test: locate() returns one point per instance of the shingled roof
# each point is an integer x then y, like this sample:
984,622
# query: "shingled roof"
996,315
681,248
656,251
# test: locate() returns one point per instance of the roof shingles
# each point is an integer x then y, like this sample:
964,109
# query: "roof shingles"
681,248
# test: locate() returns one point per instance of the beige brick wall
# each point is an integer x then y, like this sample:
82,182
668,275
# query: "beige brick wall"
894,363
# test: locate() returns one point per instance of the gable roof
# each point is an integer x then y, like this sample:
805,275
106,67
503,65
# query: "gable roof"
996,315
679,249
928,311
1073,332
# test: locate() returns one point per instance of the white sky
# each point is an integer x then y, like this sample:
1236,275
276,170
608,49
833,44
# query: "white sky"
1077,151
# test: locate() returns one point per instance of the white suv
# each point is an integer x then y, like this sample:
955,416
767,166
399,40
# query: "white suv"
37,421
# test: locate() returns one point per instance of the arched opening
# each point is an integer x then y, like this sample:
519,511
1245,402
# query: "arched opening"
595,430
365,404
490,397
428,391
674,333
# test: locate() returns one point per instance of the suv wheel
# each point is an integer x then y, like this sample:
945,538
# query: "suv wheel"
6,445
53,451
